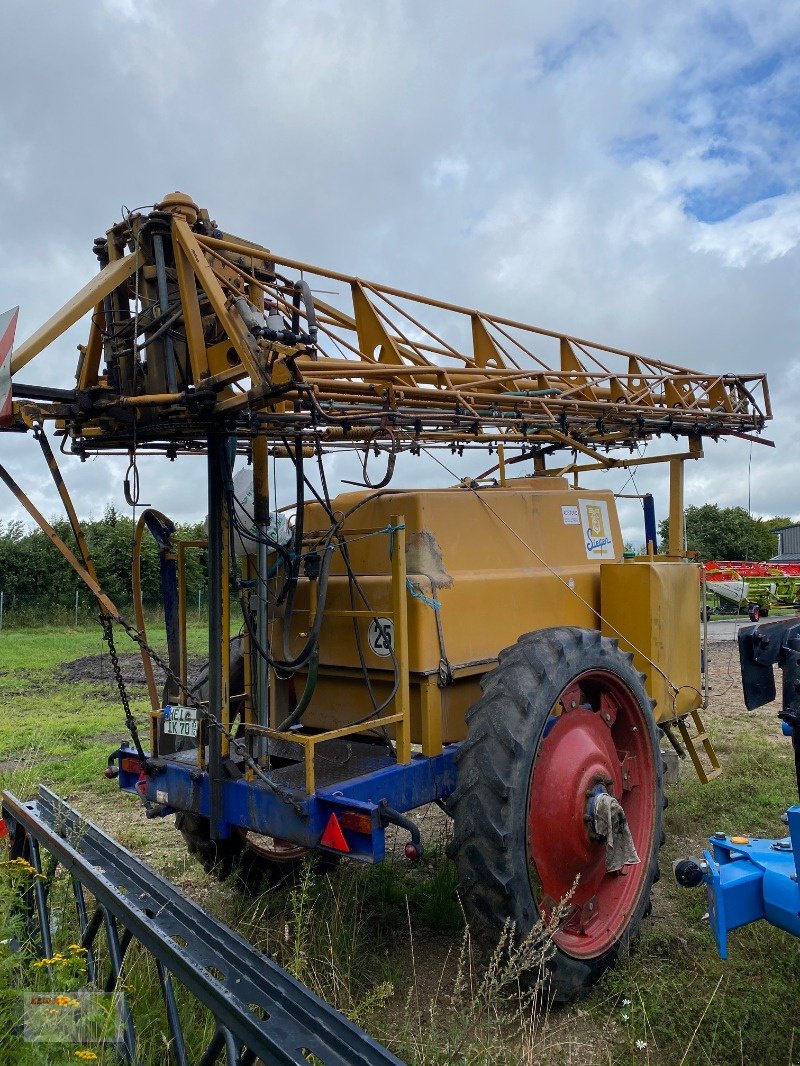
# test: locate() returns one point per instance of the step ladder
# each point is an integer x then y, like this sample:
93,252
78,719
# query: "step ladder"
698,744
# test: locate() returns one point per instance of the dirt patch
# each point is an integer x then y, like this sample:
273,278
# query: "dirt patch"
97,668
11,766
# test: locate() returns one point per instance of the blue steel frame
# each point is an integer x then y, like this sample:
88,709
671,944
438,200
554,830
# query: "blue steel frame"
745,882
251,805
748,878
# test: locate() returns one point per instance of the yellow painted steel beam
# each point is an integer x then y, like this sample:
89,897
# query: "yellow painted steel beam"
391,369
106,605
677,542
239,337
109,278
66,499
89,365
311,740
192,320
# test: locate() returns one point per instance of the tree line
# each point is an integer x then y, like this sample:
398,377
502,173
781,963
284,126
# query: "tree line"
727,533
33,573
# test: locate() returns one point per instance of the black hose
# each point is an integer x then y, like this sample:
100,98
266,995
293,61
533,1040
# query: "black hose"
299,520
305,699
289,665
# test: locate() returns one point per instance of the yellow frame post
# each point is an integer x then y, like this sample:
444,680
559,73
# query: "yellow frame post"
401,711
677,543
402,700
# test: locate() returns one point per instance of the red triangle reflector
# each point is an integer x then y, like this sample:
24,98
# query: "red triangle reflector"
333,837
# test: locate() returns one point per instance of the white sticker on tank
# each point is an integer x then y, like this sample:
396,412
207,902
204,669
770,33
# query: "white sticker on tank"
570,516
381,636
596,529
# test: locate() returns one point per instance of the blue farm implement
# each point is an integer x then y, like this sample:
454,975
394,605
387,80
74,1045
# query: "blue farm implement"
749,878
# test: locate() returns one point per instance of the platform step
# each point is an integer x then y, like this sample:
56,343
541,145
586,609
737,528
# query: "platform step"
335,761
701,750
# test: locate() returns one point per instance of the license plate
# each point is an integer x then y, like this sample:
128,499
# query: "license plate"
180,721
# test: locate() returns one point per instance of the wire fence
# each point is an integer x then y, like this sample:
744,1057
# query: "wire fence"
19,612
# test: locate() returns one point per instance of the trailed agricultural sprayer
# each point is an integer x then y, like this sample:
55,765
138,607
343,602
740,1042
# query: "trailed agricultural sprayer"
486,646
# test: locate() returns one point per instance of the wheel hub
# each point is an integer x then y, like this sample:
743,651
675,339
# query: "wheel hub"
577,755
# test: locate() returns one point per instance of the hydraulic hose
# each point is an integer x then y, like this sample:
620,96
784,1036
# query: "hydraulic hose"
302,292
289,665
305,699
299,525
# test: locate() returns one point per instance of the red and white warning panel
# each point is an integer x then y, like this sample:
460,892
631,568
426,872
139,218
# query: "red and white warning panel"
8,326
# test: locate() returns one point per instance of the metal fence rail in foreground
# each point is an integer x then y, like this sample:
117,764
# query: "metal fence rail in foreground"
262,1012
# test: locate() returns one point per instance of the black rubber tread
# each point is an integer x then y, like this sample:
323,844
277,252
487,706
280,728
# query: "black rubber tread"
233,858
217,857
489,804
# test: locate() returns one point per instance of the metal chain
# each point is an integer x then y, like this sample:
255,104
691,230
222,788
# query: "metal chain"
205,712
130,721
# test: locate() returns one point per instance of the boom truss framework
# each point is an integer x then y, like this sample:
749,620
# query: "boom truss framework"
197,327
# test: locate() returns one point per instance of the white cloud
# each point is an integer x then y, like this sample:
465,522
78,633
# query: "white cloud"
541,164
448,170
760,232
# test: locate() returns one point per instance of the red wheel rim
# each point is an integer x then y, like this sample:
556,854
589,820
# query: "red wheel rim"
599,735
273,849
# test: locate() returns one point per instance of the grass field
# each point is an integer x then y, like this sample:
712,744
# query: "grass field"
384,943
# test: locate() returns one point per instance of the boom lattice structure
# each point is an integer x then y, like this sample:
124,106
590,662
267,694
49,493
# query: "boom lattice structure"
190,326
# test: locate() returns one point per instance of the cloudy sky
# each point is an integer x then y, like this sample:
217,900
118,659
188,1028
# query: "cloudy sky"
630,177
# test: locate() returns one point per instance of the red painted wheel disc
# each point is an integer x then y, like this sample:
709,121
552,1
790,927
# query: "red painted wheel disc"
600,736
273,849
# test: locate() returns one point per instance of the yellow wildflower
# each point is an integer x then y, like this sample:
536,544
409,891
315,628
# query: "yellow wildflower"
87,1056
76,949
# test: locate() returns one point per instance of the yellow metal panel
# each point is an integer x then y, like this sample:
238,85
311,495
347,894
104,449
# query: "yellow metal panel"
499,563
653,608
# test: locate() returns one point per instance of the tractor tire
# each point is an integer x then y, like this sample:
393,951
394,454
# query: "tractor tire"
253,863
217,857
556,714
754,612
256,861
